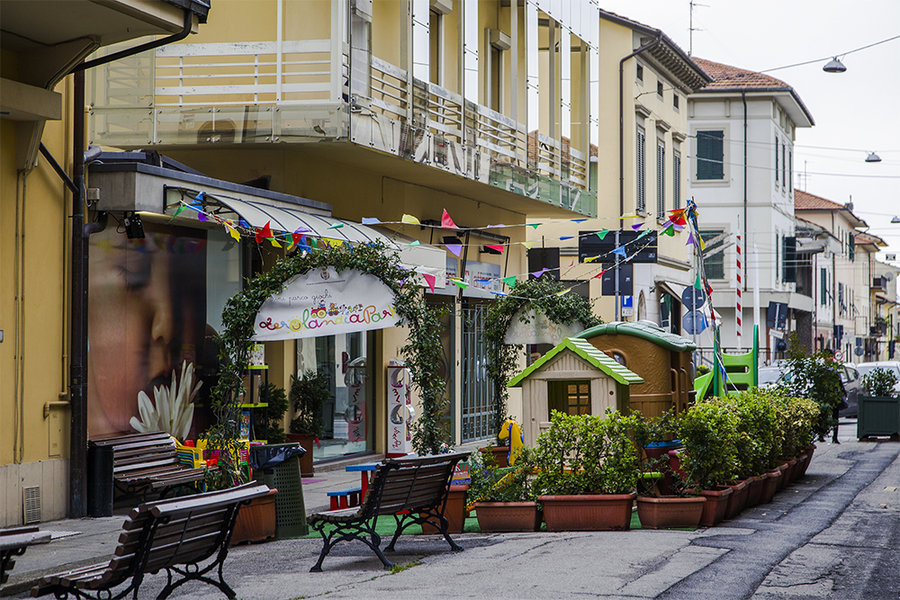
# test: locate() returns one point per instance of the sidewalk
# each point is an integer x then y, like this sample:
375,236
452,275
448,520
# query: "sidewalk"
757,552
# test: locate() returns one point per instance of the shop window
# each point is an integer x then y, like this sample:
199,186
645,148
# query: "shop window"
570,397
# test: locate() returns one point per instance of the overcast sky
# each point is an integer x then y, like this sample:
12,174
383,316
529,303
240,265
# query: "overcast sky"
856,112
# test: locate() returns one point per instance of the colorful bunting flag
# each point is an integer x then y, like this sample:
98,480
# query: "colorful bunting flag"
538,274
233,232
179,210
371,221
459,283
274,243
620,251
566,237
335,226
430,280
201,216
669,231
495,226
409,219
414,243
497,247
602,234
456,249
637,226
578,220
642,234
564,292
527,245
296,237
535,225
496,293
263,234
629,216
483,281
510,281
243,223
591,259
697,285
199,196
447,222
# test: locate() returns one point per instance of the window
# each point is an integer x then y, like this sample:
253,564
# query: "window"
710,155
570,397
496,79
823,286
640,73
659,89
851,246
676,180
436,34
841,307
675,100
783,164
789,255
660,179
790,181
641,199
776,161
714,262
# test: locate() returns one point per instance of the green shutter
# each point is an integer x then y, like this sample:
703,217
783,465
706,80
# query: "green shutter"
710,155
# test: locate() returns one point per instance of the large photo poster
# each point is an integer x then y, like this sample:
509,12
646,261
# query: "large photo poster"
151,355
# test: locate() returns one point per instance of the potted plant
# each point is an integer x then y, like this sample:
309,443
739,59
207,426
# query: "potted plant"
586,472
707,431
503,497
276,399
879,408
308,395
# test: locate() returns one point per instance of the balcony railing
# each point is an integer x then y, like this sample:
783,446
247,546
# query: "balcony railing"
296,91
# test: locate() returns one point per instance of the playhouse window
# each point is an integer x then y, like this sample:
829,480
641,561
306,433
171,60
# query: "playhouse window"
570,397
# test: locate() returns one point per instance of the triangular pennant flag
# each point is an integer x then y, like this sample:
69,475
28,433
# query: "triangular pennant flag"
571,264
600,274
564,292
459,283
371,220
591,259
629,216
274,242
642,234
179,210
538,274
697,285
535,225
702,243
678,227
528,245
620,251
243,223
495,226
669,231
201,216
410,220
264,233
415,243
289,240
578,220
496,293
296,237
447,222
602,234
566,237
199,196
335,243
335,226
429,279
497,247
233,232
690,240
510,281
456,249
637,226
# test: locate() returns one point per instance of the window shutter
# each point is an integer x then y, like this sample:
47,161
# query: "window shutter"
710,155
641,172
660,180
676,181
789,255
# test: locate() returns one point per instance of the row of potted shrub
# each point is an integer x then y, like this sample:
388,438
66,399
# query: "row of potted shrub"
585,472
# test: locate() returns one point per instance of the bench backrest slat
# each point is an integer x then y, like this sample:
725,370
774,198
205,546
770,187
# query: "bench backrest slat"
410,484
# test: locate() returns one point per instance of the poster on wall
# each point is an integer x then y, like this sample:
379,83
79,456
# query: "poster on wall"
149,345
324,302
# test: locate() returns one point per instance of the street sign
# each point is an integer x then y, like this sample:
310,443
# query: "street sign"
694,322
693,298
626,280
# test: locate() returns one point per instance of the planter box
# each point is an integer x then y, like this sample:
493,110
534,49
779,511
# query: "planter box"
738,499
589,512
495,517
500,453
255,521
770,486
754,492
669,512
454,511
659,450
809,454
716,501
878,416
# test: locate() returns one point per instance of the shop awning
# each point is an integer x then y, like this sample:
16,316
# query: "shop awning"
673,289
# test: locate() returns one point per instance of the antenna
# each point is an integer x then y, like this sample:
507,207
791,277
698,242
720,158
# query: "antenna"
691,28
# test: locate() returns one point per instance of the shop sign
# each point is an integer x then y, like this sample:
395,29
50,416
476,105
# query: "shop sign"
324,302
483,276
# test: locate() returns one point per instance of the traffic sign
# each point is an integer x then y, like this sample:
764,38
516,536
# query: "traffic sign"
693,298
694,322
838,355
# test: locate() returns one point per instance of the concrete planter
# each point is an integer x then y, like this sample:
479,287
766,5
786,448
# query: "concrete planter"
878,415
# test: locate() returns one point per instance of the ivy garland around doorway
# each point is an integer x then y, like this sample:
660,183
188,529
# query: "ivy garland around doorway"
422,352
540,295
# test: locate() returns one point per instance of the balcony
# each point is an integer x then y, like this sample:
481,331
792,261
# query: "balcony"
293,92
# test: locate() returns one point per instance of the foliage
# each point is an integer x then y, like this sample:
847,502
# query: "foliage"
757,434
647,431
708,432
879,382
816,377
276,399
490,483
422,350
309,393
796,422
540,295
586,454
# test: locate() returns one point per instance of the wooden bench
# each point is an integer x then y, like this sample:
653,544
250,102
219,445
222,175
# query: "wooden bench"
175,535
13,542
148,463
411,490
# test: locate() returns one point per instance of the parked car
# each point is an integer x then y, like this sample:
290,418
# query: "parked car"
892,365
852,381
769,376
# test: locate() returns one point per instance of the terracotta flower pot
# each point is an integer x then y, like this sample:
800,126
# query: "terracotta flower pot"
588,512
754,492
256,520
770,486
809,454
715,505
670,511
782,482
501,455
738,500
654,452
675,463
508,516
454,512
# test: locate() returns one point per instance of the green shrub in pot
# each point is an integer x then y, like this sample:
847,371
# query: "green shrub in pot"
491,483
708,433
879,382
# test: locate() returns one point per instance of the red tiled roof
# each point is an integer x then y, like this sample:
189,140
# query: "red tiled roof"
726,76
868,238
806,201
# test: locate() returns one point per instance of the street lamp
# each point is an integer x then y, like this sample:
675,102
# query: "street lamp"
834,66
872,157
896,219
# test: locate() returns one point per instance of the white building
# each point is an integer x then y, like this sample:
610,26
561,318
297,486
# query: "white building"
742,128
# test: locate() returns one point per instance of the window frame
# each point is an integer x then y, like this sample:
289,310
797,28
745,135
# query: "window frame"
721,176
640,192
676,178
660,178
717,260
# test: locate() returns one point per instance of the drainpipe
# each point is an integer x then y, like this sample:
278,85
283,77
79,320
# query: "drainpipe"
744,101
80,233
622,121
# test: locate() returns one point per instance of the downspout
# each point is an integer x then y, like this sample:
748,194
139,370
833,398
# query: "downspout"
744,102
80,233
622,120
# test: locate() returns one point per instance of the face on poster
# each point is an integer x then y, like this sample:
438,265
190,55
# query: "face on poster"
146,317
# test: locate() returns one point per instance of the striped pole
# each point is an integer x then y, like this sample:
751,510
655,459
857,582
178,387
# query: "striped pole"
738,309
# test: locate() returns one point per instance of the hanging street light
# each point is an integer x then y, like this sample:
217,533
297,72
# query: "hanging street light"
872,157
834,66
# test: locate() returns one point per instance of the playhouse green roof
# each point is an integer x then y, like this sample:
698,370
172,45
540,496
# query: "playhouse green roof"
586,351
647,331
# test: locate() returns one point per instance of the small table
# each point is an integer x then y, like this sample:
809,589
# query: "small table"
364,470
13,542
